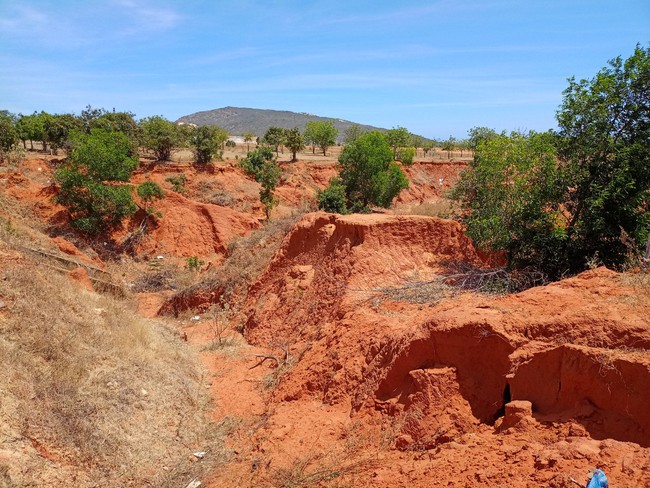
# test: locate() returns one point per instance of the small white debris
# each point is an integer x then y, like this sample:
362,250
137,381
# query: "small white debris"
196,317
199,454
194,484
144,392
160,257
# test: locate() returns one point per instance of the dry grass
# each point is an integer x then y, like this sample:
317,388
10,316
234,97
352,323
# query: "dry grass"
247,258
92,393
322,469
420,292
457,278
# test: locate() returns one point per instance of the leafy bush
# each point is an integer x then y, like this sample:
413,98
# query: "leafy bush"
193,263
513,189
604,142
160,136
559,201
369,174
8,136
333,199
178,182
320,133
262,166
148,192
207,141
406,156
97,158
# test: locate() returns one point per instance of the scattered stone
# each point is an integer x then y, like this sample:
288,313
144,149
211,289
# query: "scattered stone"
199,454
196,317
2,304
144,392
194,484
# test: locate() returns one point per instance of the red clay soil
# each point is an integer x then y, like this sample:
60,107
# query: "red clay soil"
428,181
411,394
188,228
391,379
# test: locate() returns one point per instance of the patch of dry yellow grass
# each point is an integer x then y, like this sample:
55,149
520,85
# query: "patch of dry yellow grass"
91,394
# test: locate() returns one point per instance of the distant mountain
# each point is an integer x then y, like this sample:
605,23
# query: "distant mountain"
238,121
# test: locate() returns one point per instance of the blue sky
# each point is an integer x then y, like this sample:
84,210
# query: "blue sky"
437,68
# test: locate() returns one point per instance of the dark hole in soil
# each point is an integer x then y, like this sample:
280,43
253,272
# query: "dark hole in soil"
507,398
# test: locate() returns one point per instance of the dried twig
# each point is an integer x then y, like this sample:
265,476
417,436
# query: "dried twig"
264,357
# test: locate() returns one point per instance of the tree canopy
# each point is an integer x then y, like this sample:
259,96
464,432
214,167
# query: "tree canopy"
8,134
207,141
369,174
398,137
86,180
513,190
605,142
160,136
294,141
321,133
262,166
274,137
558,201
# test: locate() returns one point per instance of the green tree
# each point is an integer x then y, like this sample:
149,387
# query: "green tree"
427,147
478,134
8,135
87,180
269,177
559,201
369,174
123,122
43,119
352,133
405,155
149,191
274,137
160,136
333,198
30,128
88,115
321,133
59,129
605,145
248,137
294,141
254,161
262,166
398,137
449,145
513,191
207,141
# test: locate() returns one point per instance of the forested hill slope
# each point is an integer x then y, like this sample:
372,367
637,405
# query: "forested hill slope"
238,121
